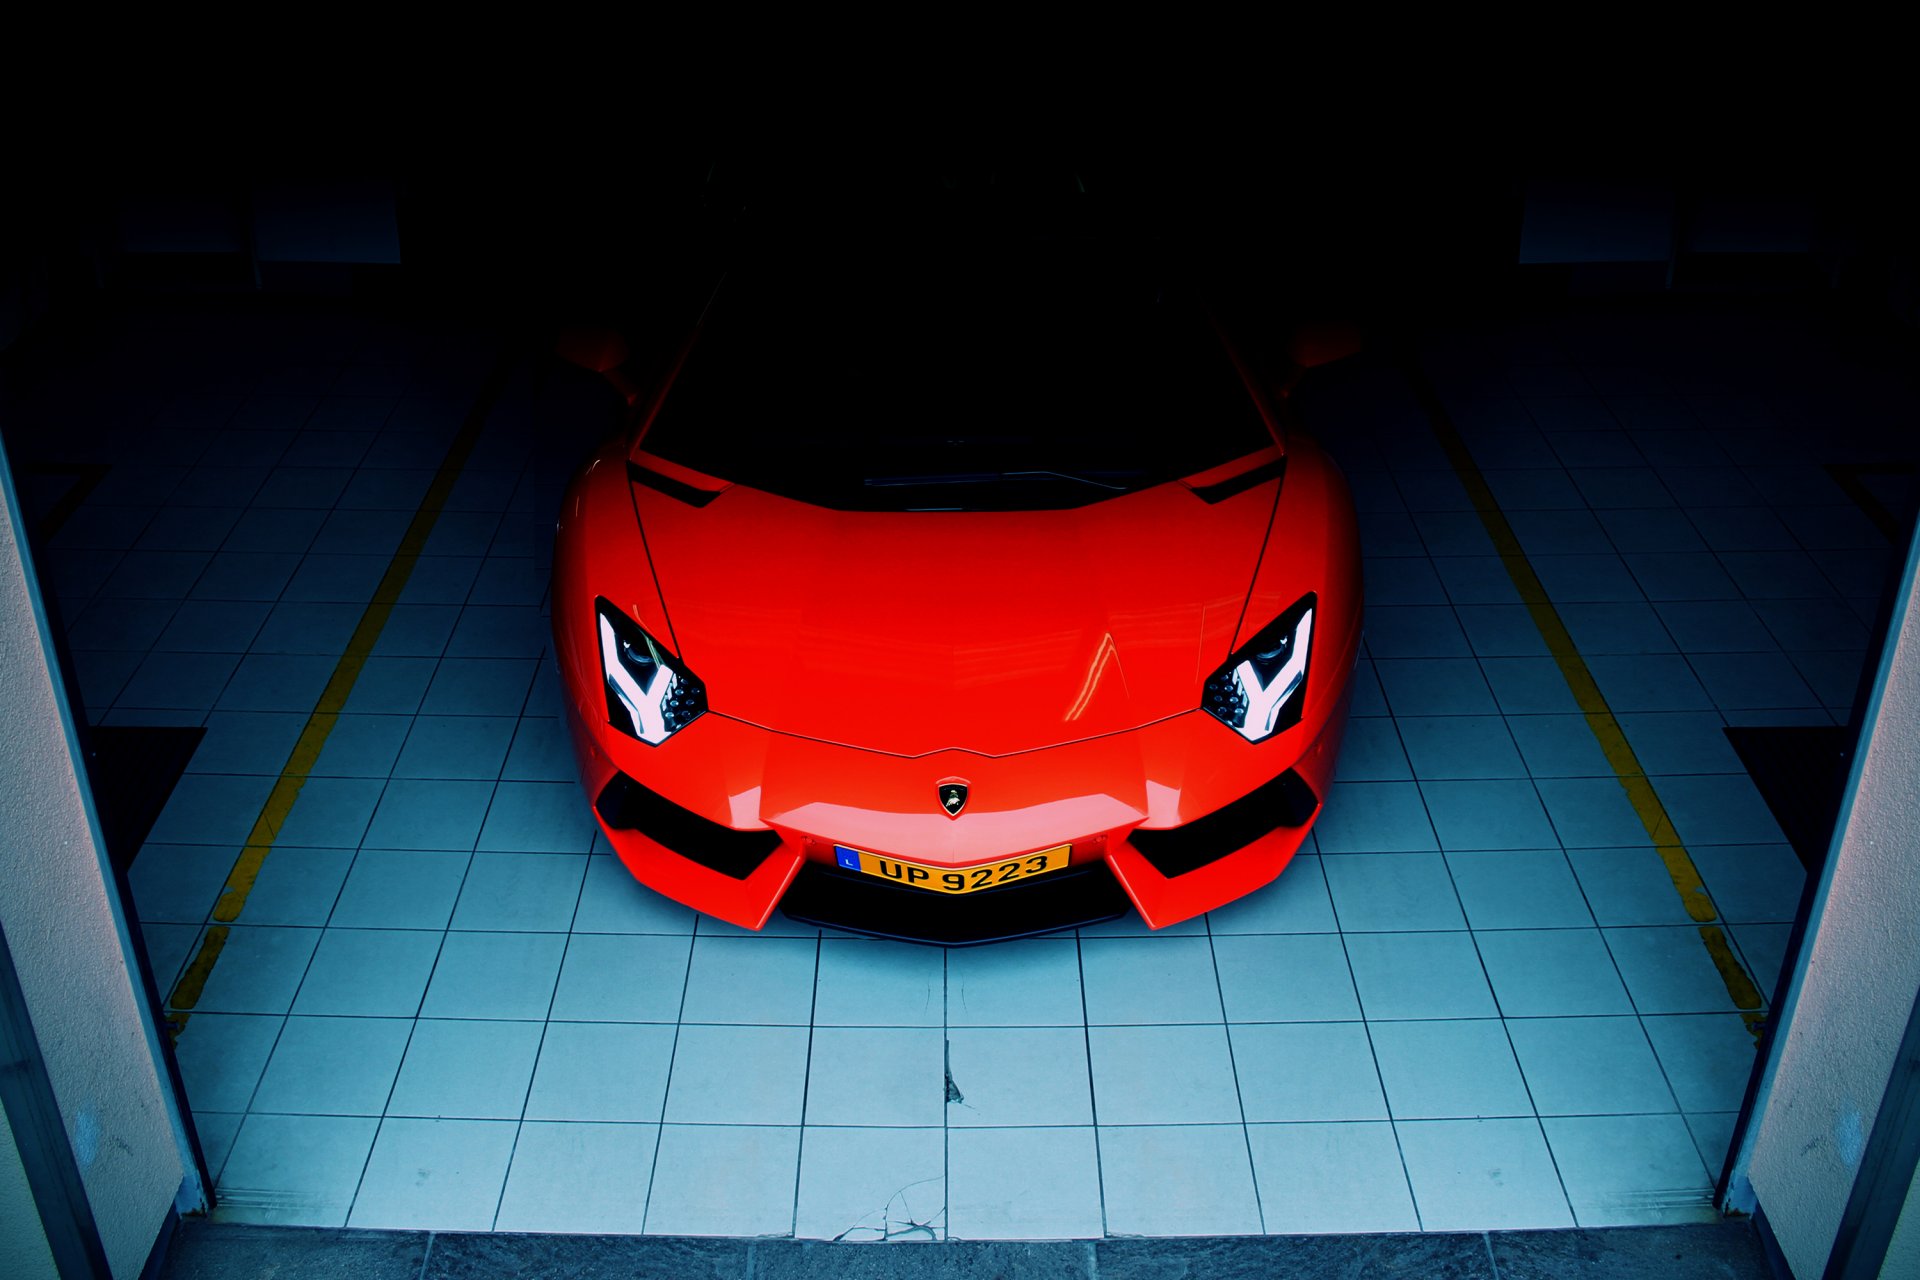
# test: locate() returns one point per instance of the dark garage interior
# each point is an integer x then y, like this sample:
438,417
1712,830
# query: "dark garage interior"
1597,956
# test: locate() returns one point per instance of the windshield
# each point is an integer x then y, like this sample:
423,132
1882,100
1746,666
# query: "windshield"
971,385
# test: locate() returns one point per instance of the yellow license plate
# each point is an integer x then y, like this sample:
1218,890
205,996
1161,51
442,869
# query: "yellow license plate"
951,879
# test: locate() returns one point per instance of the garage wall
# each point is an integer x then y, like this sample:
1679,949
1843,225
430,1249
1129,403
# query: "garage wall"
1856,977
24,1254
69,940
1903,1251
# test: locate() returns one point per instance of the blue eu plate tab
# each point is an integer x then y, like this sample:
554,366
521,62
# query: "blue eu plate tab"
848,858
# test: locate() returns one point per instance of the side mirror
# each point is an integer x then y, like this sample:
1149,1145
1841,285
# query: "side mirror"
601,351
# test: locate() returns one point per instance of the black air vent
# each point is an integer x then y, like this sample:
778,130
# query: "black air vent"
626,805
1287,801
679,490
1241,483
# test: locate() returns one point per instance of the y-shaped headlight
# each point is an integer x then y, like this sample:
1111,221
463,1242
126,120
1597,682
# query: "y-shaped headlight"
650,694
1262,687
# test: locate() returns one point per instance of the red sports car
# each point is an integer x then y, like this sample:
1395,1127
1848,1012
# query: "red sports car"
956,603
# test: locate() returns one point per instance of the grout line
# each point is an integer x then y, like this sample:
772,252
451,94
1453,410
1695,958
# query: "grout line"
946,1108
1586,692
660,1131
1093,1098
806,1088
1380,1079
1233,1065
333,698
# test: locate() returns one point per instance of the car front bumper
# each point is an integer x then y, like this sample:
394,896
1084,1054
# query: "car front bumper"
1175,818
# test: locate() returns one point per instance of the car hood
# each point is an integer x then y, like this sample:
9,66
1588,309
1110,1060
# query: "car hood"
915,632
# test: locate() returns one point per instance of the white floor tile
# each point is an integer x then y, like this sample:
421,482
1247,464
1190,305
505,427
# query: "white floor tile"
1476,747
400,889
1667,970
751,980
724,1180
1306,1071
222,1056
1518,889
871,1184
296,886
1707,1058
738,1075
259,971
590,1178
418,814
1296,902
361,747
540,752
212,809
1316,1178
333,1066
1419,975
331,812
1392,892
877,1076
1015,1076
247,742
879,984
466,1070
1023,1184
1478,1175
1589,1066
539,817
1135,1070
1764,948
448,747
601,1071
435,1175
179,882
167,948
1453,1069
1749,883
1718,809
1712,1136
520,892
1373,817
1149,980
612,901
1012,984
1285,978
216,1131
1487,815
1541,973
622,978
495,975
374,973
1628,886
1631,1170
294,1170
1178,1180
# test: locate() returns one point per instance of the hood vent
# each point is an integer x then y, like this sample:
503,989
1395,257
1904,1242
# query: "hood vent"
679,490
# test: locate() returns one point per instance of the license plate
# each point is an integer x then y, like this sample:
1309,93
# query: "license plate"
951,879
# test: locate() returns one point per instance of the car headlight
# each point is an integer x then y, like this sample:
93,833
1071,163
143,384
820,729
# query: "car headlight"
650,694
1261,688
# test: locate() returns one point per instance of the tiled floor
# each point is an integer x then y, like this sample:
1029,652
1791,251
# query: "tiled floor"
1473,1002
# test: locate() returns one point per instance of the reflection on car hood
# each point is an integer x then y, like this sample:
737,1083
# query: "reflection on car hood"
921,631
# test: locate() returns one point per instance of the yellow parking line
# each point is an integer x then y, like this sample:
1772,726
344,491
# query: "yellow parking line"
333,699
1586,694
